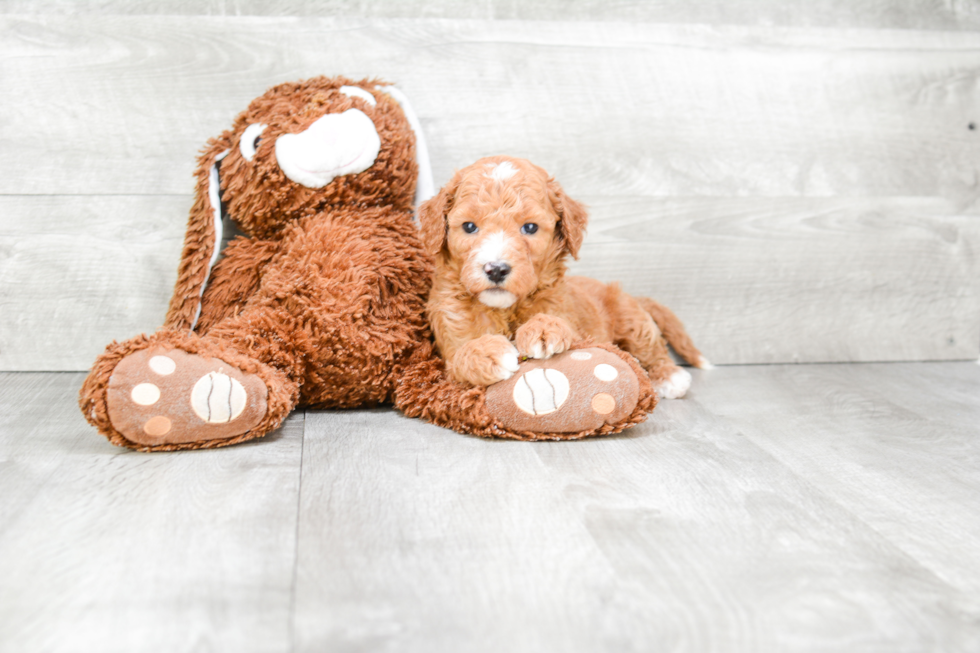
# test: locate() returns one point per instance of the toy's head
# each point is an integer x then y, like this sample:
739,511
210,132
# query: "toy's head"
303,146
299,148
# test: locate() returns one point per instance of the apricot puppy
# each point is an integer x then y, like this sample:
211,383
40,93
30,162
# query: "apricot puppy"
500,232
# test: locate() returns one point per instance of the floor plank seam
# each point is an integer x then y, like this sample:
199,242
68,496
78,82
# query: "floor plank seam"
299,506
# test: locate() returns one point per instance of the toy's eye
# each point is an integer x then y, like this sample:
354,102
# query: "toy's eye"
469,227
529,229
250,140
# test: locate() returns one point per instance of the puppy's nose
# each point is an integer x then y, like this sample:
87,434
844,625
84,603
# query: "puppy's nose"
496,272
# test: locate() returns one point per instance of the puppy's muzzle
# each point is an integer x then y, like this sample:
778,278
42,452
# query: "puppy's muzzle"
496,272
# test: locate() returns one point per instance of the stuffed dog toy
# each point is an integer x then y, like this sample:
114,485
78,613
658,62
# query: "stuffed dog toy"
500,232
321,301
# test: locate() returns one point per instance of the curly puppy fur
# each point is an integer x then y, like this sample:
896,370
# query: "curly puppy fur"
500,232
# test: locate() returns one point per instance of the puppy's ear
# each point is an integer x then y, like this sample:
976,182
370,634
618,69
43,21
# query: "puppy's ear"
572,218
432,217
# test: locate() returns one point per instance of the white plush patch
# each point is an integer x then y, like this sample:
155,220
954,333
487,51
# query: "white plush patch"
541,391
501,171
676,386
214,196
218,398
492,249
337,144
497,298
246,144
163,365
356,91
581,355
425,187
605,372
145,394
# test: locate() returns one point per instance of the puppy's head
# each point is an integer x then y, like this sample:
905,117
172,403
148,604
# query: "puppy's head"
504,228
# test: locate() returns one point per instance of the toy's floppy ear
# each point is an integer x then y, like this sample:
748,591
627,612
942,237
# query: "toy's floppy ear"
432,217
202,242
572,218
425,186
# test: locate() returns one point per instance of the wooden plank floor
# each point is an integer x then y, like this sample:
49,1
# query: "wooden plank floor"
778,508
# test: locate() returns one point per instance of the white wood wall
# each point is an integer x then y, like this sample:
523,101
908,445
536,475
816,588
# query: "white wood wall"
798,180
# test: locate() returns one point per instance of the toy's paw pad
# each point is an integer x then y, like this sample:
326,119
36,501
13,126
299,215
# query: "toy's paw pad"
676,385
159,396
573,392
217,398
541,391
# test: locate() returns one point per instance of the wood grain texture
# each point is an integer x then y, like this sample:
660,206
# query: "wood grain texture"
612,108
904,14
102,549
755,280
683,535
759,280
896,446
795,193
79,271
778,508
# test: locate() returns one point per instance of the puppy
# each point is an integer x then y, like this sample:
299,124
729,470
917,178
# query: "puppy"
500,232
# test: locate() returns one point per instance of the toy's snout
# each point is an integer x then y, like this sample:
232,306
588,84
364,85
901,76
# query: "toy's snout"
336,144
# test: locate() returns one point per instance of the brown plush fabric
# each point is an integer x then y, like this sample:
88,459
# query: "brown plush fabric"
93,398
426,391
323,299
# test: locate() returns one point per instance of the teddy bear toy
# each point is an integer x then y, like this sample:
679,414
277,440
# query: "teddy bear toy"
320,302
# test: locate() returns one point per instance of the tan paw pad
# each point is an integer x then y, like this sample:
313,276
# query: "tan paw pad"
572,392
157,426
603,403
159,396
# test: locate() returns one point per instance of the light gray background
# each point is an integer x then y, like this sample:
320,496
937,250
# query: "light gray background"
795,178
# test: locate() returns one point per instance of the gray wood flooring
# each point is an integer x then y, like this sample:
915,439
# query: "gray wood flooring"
778,508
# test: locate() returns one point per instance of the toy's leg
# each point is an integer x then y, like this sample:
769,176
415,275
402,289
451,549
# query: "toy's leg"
591,389
234,280
179,391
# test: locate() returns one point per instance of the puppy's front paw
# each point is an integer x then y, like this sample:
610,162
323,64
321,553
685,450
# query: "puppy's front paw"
676,385
486,360
543,336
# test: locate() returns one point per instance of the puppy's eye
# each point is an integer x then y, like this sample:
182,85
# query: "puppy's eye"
469,227
529,229
249,141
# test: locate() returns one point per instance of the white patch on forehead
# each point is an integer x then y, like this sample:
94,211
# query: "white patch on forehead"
501,171
492,249
355,91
